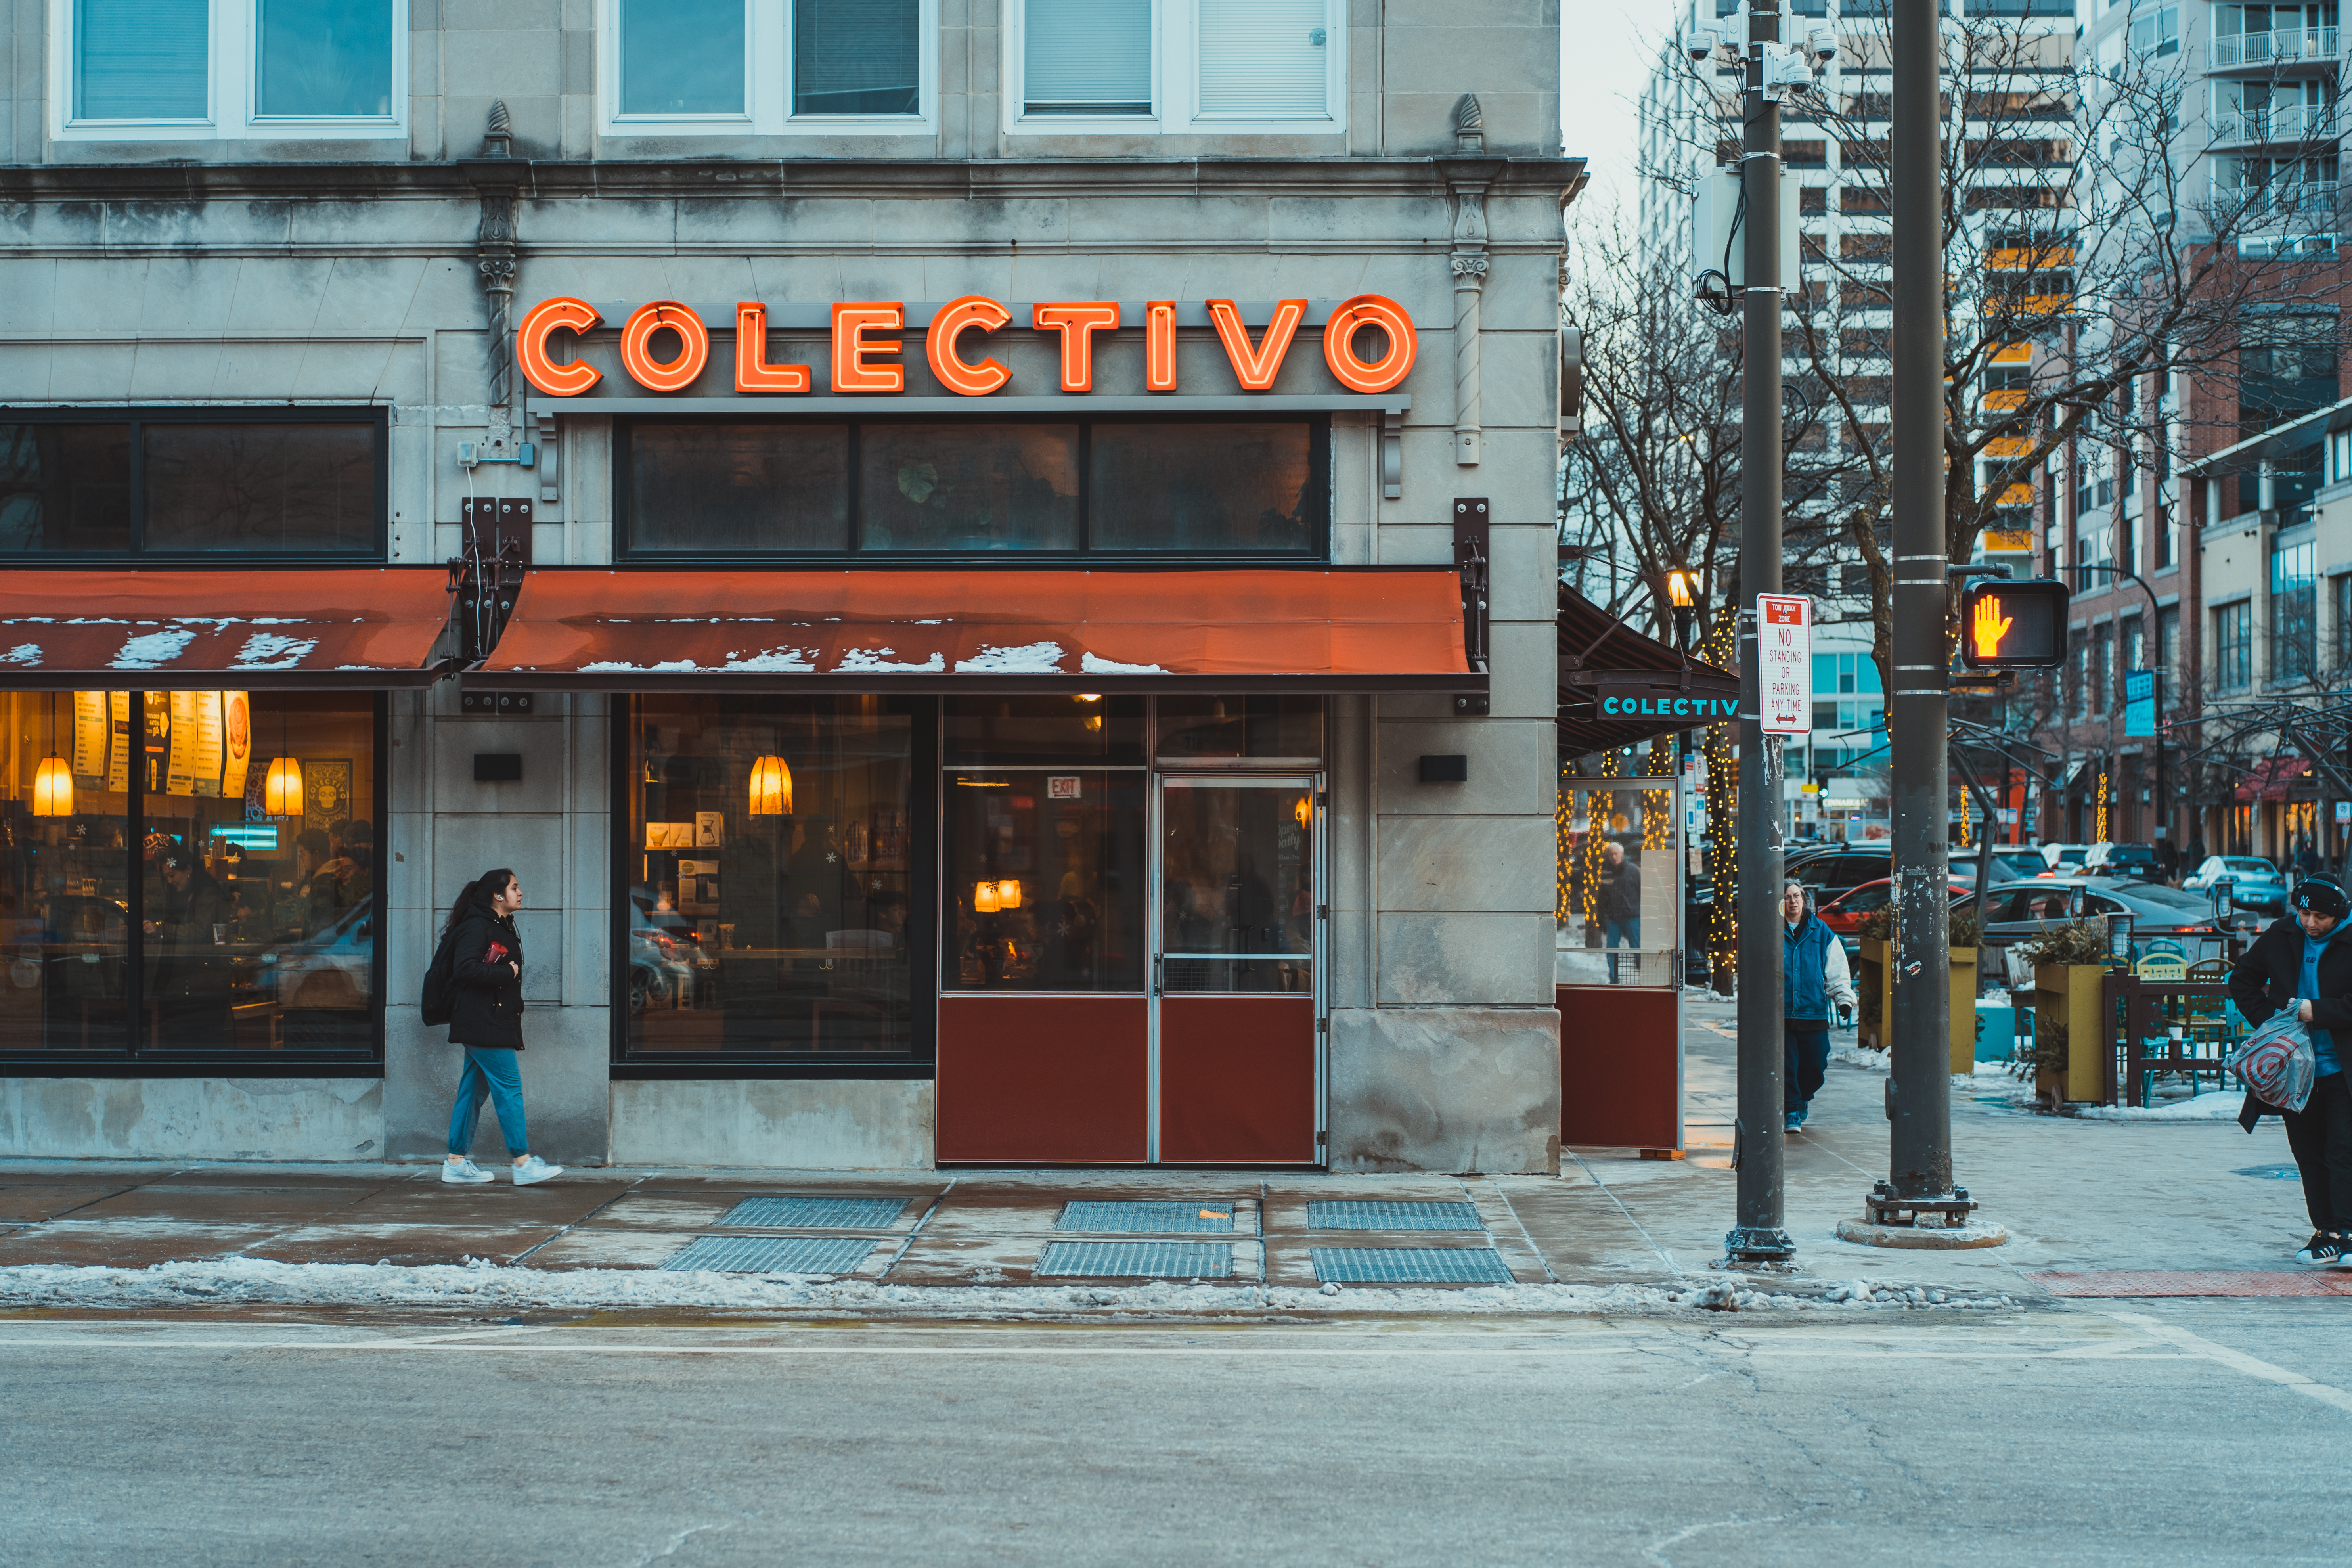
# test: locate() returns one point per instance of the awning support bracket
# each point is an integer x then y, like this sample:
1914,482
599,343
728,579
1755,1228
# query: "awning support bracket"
1472,559
488,573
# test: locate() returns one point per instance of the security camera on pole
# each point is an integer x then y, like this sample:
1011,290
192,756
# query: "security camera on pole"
1741,237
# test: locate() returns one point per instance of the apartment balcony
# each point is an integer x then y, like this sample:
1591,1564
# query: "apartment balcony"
2283,122
2283,46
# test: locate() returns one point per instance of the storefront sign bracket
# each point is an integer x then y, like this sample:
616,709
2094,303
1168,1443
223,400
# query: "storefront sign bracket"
1472,521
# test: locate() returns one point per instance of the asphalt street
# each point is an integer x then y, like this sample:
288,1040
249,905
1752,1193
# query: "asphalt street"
2120,1432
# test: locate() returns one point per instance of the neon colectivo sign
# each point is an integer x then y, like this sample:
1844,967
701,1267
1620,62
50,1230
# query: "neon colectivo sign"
865,359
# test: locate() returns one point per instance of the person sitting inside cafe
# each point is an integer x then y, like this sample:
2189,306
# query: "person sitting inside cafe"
190,953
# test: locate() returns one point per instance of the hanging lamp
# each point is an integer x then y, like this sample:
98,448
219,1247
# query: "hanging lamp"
984,898
771,787
53,781
281,791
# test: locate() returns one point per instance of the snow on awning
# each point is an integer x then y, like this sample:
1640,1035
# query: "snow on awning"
1314,629
365,628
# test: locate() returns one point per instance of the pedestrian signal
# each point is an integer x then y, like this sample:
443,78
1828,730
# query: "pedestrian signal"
2013,626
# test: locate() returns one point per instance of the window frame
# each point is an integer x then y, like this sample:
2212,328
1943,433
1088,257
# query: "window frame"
379,416
1175,84
233,84
177,1062
924,819
1318,463
767,92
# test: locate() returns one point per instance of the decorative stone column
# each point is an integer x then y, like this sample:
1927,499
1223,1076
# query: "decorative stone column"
496,176
1467,180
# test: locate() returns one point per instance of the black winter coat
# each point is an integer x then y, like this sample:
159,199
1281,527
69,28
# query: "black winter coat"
486,998
2272,973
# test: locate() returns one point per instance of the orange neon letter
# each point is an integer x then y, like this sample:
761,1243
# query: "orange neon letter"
1078,324
636,346
956,318
1339,343
1259,367
851,345
752,371
538,323
1160,346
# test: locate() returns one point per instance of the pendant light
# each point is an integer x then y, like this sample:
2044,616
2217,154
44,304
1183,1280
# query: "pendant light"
771,787
53,781
281,791
984,898
1008,893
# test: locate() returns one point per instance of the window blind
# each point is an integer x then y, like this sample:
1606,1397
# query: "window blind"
142,59
1087,57
1265,60
856,57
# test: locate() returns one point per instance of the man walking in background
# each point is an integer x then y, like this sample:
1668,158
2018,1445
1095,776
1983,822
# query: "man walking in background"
1620,904
1813,960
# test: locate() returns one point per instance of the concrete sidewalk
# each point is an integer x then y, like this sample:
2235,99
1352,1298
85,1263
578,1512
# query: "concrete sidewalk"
2076,1197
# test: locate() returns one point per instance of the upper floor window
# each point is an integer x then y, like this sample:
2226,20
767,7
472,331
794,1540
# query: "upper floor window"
767,68
228,69
1202,67
163,483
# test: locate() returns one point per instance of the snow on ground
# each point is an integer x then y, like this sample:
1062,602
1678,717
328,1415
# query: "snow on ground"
483,1285
2214,1105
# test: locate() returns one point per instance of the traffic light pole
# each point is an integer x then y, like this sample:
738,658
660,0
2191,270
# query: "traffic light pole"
1759,1237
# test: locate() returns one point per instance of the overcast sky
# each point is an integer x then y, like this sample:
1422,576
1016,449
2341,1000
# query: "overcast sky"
1603,58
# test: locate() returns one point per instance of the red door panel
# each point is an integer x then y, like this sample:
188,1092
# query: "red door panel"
1237,1080
1043,1079
1620,1066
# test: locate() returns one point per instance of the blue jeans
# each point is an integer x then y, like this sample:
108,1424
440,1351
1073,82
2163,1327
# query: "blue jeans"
1807,1049
1620,933
494,1075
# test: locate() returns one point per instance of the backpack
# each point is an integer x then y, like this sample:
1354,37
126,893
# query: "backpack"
2276,1063
441,980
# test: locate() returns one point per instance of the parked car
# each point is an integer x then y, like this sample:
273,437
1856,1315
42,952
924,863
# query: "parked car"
2019,910
2010,863
662,954
1846,913
334,969
2256,883
2063,859
2123,860
1834,871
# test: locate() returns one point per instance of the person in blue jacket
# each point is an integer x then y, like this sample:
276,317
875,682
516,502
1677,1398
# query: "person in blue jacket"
1815,978
2305,962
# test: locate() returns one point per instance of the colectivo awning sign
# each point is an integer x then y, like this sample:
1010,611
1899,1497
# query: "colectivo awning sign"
1368,344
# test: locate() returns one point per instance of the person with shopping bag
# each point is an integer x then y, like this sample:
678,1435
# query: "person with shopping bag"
2306,960
477,978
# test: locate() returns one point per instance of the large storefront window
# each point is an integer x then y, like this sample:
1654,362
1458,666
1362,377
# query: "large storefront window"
175,485
773,850
1044,806
190,876
1198,488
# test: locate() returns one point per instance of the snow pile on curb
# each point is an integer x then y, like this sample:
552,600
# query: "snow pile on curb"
489,1287
2214,1105
1861,1057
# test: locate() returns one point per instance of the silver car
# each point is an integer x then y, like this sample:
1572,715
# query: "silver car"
2257,883
2018,911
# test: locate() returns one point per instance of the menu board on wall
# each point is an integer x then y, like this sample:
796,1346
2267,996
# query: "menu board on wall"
90,740
179,764
208,743
118,757
236,743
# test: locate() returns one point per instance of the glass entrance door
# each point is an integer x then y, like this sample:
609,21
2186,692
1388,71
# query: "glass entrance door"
1237,970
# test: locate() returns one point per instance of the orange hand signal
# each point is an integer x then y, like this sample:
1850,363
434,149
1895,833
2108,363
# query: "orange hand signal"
1989,627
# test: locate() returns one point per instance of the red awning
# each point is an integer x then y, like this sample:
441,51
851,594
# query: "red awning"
2273,777
1359,630
260,628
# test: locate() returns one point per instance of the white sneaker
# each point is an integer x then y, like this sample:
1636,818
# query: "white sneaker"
464,1173
534,1169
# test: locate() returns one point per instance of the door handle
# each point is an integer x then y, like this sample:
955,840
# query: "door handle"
1159,976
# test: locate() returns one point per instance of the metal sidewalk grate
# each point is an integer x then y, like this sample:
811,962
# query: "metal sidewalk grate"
1410,1265
2196,1282
1139,1260
1351,1216
773,1254
815,1213
1154,1216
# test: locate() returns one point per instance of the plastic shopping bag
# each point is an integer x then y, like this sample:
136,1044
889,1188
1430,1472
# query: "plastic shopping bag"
2276,1062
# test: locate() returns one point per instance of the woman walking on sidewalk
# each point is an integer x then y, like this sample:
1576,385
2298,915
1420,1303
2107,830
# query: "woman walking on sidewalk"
486,1018
2306,960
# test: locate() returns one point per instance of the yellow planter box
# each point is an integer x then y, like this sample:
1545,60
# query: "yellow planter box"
1875,975
2070,994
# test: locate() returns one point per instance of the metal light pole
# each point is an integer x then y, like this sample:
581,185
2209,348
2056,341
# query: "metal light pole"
1921,1092
1759,1237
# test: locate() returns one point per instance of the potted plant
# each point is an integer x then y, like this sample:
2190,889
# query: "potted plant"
1964,990
2068,961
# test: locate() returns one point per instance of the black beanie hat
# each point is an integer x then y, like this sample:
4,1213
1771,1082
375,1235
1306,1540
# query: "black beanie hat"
2322,896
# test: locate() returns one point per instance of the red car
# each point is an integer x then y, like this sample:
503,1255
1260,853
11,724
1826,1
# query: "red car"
1843,913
